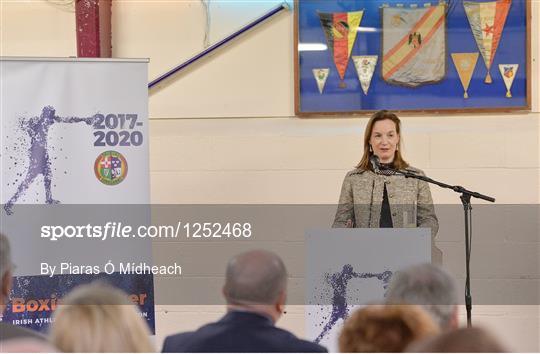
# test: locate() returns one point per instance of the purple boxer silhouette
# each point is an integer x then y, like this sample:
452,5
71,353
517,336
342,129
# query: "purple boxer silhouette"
339,282
39,162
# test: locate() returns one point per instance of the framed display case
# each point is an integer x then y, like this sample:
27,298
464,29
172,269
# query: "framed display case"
355,56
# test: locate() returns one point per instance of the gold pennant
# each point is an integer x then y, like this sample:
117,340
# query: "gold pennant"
465,64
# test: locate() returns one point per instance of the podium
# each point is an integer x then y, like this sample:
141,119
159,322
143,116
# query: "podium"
348,268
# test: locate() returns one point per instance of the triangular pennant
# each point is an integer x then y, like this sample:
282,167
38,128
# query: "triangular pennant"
465,64
508,72
365,66
487,21
320,76
340,29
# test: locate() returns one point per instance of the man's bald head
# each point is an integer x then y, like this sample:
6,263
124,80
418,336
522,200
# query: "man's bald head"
255,277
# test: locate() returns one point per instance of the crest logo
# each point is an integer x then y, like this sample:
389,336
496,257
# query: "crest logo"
509,72
415,39
111,168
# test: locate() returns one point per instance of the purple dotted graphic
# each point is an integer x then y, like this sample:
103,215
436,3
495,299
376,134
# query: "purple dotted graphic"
38,154
339,283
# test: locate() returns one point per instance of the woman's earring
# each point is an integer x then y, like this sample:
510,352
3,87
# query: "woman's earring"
397,148
370,149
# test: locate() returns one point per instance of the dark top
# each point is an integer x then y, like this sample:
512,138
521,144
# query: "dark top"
240,332
386,215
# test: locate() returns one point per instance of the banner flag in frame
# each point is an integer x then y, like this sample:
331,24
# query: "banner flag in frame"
365,67
487,21
414,45
508,73
465,64
341,30
320,76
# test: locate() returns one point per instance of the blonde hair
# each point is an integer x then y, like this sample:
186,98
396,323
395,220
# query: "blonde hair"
385,328
99,318
399,162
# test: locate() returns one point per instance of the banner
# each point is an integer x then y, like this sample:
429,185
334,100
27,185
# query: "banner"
465,64
365,67
74,133
487,21
340,29
508,73
414,45
320,76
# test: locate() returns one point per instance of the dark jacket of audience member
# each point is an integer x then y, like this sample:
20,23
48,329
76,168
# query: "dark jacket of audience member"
255,290
9,331
463,340
385,328
241,332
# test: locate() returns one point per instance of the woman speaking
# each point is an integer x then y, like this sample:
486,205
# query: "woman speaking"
369,199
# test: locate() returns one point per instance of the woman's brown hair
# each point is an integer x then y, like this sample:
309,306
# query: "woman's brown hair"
385,328
399,162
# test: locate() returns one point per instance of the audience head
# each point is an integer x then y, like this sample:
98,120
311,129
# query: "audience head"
6,270
385,328
430,287
256,280
99,318
463,340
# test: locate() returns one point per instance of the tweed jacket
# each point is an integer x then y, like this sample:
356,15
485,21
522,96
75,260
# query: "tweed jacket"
361,198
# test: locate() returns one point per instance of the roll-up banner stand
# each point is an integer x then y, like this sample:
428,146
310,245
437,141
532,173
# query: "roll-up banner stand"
74,167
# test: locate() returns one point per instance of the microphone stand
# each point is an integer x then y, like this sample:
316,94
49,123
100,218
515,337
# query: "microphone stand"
466,201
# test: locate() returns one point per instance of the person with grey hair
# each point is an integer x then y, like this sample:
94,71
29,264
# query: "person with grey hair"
255,290
429,286
7,330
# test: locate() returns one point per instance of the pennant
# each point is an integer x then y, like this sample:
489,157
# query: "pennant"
414,45
320,76
365,67
340,29
465,64
508,72
487,21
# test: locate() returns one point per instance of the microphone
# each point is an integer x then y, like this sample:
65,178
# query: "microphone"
375,164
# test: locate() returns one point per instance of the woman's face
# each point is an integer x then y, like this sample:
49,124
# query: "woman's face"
384,140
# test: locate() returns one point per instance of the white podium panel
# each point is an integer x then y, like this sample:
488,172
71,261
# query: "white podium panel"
348,268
